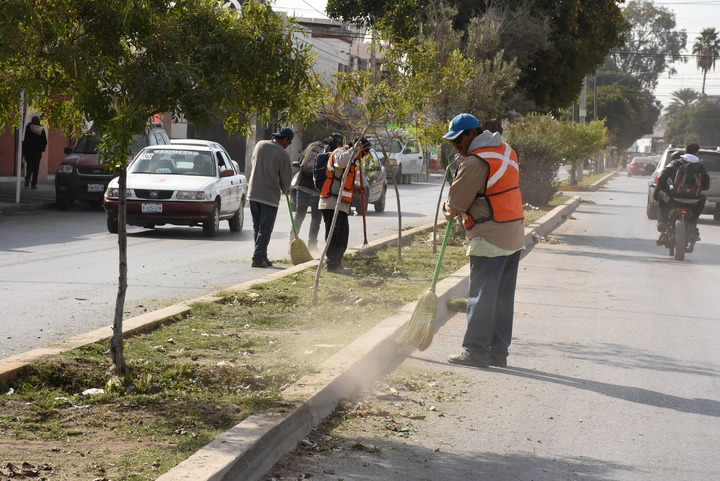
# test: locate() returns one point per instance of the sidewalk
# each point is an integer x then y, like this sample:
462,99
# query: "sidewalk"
30,199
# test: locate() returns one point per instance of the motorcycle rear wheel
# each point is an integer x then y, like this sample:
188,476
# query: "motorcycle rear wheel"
680,240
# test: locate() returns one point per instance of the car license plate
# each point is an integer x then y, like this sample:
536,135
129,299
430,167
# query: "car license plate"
151,208
95,187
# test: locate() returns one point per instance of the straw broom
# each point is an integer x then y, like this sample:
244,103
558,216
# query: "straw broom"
420,329
299,253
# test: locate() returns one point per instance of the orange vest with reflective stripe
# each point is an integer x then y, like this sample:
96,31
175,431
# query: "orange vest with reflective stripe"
503,185
347,190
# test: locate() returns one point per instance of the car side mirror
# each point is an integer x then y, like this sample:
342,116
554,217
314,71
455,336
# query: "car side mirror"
652,184
296,163
406,150
227,173
67,150
650,168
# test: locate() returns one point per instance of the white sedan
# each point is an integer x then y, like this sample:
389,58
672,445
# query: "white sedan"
189,182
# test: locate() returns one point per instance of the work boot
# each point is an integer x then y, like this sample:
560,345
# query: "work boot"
464,359
339,269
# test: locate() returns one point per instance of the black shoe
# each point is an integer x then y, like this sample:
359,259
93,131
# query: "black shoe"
27,183
34,187
343,271
464,359
269,264
260,264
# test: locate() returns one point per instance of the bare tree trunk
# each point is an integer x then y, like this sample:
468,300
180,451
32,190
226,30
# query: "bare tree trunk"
116,342
399,211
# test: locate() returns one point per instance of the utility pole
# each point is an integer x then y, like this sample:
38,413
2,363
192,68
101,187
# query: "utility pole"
582,112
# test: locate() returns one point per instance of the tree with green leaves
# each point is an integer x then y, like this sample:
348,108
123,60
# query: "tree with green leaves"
630,110
371,104
538,141
681,99
576,37
582,142
652,44
707,50
697,123
117,63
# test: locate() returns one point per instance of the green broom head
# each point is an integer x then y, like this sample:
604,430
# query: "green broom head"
420,329
299,253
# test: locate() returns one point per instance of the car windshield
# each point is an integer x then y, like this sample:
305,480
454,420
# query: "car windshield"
711,160
88,144
392,146
174,162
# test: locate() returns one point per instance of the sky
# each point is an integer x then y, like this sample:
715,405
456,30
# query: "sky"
690,15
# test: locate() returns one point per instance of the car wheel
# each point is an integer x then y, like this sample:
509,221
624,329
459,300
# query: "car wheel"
112,225
63,203
380,204
236,222
211,226
408,179
398,175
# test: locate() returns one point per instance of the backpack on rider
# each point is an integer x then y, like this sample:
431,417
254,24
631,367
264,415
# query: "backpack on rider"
688,181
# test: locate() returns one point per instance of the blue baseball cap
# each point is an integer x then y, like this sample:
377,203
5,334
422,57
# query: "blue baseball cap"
461,123
286,132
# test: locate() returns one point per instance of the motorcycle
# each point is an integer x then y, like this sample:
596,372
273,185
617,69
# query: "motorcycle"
680,233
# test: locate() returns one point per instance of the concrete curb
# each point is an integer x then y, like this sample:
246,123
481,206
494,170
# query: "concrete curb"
248,450
10,209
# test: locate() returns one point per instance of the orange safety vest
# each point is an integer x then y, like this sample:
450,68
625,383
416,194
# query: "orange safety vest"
347,190
503,185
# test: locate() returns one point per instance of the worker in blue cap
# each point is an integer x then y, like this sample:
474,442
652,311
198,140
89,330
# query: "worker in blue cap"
485,195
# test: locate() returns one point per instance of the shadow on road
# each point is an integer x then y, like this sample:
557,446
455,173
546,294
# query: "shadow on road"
705,407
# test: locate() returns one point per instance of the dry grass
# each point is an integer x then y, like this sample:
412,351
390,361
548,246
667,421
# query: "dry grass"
197,376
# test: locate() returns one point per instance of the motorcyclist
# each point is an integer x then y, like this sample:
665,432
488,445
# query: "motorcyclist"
665,199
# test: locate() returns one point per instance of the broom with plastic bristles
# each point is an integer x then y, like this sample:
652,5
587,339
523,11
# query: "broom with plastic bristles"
299,253
420,329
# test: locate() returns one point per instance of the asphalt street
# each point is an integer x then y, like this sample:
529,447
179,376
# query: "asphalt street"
613,373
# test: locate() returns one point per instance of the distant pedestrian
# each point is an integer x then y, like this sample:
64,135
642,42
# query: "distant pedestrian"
307,194
486,196
331,191
33,146
270,177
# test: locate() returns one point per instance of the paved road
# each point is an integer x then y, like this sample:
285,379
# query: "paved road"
58,270
614,371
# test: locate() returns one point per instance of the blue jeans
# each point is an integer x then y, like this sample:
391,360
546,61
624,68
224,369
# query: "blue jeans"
491,302
263,217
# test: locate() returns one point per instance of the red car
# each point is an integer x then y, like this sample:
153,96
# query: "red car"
637,165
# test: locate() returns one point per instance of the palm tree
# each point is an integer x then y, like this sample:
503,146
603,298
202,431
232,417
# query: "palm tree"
681,99
707,49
